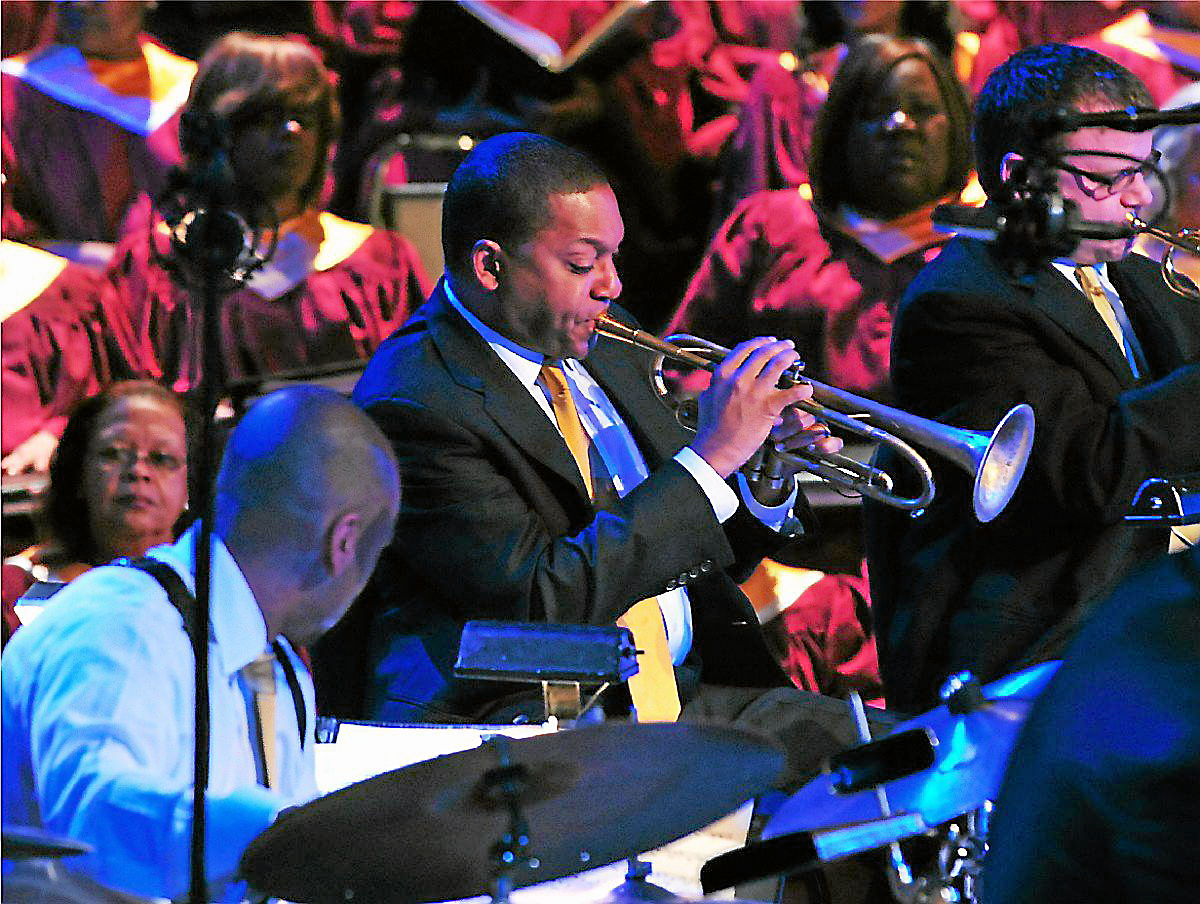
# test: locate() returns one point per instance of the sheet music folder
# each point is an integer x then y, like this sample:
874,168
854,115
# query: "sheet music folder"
543,49
1167,501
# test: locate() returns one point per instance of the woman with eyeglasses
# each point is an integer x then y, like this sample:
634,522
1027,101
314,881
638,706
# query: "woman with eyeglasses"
263,117
118,486
892,140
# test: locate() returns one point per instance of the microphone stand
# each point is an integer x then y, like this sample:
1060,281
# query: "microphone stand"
209,249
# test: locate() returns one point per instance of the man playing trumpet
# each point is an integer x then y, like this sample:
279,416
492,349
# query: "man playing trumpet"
545,481
1106,355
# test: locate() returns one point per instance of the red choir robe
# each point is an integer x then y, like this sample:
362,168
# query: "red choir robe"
83,138
777,267
51,351
333,291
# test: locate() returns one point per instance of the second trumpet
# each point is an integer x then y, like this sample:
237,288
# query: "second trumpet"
996,460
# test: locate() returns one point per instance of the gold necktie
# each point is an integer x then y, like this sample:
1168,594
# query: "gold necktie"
653,689
260,676
1090,283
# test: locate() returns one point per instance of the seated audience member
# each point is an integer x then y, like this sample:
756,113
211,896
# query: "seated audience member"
1122,30
333,289
118,485
891,141
98,691
1099,801
51,351
583,502
771,147
89,122
1108,358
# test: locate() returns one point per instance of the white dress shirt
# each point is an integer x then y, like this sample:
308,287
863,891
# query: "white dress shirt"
98,737
623,460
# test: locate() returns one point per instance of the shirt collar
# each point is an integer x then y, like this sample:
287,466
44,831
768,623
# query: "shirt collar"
525,363
889,240
1066,267
238,627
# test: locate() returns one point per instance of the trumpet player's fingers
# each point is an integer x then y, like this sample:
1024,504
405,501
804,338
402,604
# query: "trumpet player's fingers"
742,403
798,430
764,360
749,357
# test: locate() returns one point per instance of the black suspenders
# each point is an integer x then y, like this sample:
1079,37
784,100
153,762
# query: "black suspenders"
181,598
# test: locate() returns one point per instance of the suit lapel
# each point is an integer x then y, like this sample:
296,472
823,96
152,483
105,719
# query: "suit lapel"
474,365
1060,300
1135,278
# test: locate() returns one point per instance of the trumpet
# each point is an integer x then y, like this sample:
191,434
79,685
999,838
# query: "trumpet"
996,460
1184,240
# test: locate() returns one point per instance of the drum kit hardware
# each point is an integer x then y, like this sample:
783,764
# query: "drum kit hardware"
971,753
512,813
835,816
22,843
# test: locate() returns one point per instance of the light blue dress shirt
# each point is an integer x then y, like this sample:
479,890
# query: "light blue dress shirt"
98,739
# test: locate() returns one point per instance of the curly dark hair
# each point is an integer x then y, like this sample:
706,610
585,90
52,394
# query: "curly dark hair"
859,78
66,515
501,191
243,74
1014,100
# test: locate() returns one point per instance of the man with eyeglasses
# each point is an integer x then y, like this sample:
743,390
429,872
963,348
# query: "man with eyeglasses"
1095,342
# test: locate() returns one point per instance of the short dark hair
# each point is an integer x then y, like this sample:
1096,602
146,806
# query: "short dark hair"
67,518
860,77
1032,82
501,191
243,74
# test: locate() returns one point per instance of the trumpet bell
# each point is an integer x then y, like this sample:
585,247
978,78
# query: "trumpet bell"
996,460
1001,463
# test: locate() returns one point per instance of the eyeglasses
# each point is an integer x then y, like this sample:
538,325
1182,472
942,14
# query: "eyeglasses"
1105,185
893,120
129,456
288,118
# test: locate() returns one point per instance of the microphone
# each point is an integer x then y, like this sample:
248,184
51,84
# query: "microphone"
1130,119
984,223
879,762
1045,220
215,225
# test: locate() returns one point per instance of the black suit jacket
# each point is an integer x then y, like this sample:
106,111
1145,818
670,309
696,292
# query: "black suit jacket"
496,523
968,343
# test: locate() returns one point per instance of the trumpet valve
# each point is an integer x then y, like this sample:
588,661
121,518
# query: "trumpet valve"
764,470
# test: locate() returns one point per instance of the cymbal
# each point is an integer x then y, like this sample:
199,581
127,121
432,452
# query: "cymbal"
589,796
24,842
617,896
636,892
970,757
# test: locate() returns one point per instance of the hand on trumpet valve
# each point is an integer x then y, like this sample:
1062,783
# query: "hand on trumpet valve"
744,405
799,431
